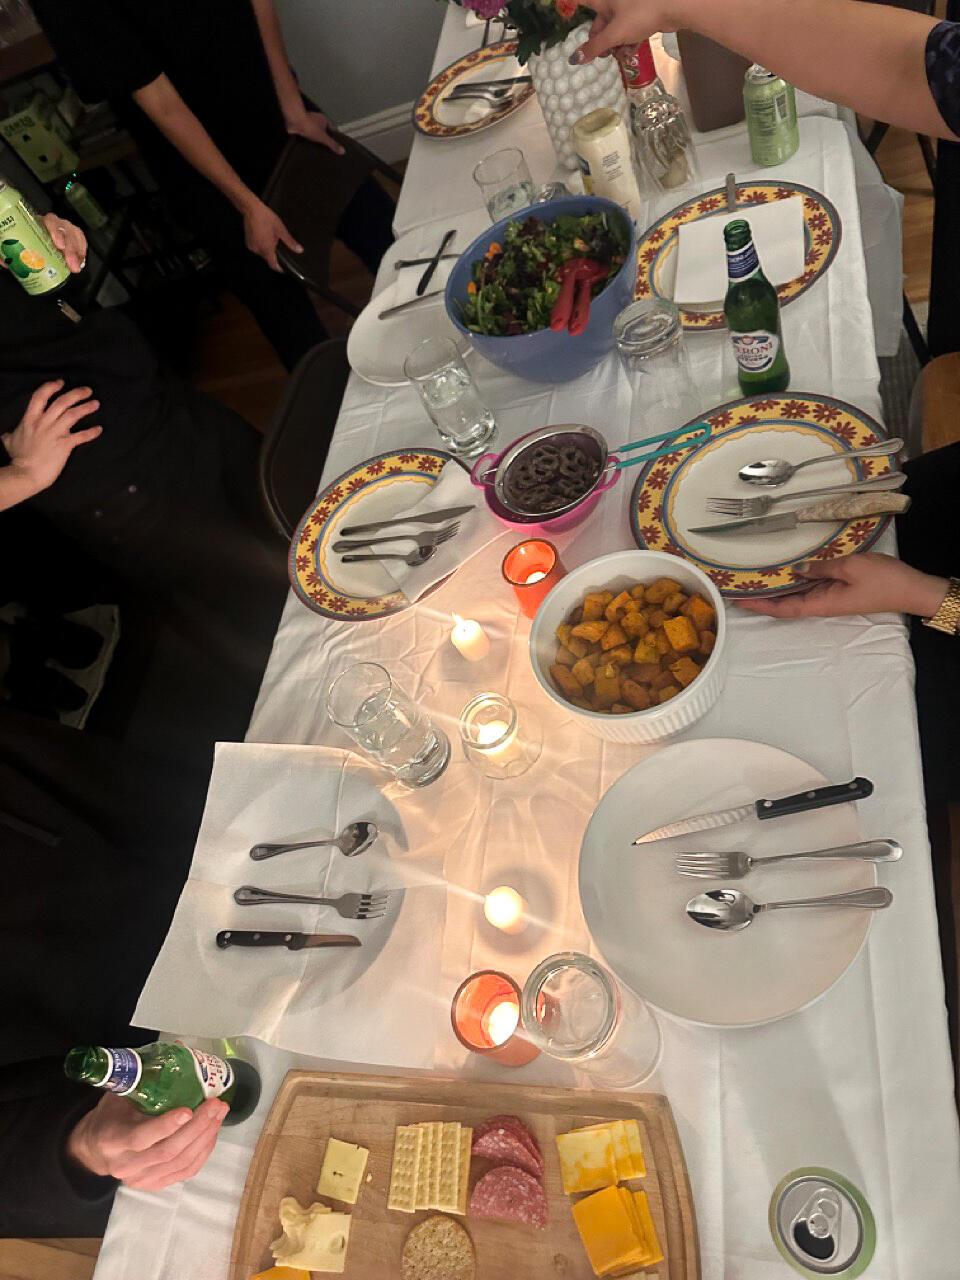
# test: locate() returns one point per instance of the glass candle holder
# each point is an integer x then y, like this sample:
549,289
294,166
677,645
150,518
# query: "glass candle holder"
533,569
500,739
485,1014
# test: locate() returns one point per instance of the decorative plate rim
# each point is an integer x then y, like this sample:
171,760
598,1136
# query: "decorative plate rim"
730,580
422,113
821,250
305,542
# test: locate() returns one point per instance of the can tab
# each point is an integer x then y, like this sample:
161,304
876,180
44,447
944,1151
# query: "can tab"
816,1228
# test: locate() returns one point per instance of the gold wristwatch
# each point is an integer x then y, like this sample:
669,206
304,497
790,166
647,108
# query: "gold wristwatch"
947,617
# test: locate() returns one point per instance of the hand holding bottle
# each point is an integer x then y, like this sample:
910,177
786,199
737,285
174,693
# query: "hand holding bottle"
145,1152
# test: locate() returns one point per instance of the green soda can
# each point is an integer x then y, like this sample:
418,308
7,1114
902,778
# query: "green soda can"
26,247
752,312
770,105
159,1077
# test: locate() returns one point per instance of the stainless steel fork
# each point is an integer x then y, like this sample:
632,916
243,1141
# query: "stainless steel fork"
352,906
732,866
425,539
759,506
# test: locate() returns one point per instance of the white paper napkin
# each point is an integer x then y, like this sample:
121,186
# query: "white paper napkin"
701,255
338,1003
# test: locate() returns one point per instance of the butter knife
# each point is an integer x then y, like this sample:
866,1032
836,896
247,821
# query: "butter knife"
292,941
434,262
426,517
833,509
423,262
408,306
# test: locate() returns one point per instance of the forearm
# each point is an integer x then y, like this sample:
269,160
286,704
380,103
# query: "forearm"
15,487
866,56
162,103
288,92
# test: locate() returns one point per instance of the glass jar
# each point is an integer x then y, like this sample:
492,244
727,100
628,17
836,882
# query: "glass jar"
664,147
649,340
500,739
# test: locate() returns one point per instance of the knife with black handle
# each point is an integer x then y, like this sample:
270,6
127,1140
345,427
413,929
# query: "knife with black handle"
434,263
292,941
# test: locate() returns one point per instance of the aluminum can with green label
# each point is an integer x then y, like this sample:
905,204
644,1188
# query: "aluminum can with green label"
770,105
27,251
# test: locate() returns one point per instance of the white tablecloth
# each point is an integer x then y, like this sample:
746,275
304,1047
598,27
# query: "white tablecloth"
861,1081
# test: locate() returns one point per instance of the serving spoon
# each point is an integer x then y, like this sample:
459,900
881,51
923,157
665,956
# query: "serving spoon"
353,839
773,471
730,909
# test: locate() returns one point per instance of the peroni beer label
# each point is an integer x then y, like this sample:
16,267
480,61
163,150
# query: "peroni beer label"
123,1071
755,351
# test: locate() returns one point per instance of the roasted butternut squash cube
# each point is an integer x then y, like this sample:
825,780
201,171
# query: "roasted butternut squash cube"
661,641
619,656
700,613
671,691
563,632
613,636
646,650
606,686
593,606
583,673
658,591
657,618
662,680
684,671
575,615
593,631
595,657
639,592
581,703
708,643
636,695
674,603
564,657
579,648
634,625
644,672
617,607
681,634
619,709
565,681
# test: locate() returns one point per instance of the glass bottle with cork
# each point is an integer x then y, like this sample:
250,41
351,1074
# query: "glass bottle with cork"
752,312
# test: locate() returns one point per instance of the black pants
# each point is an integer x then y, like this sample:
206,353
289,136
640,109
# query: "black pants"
929,539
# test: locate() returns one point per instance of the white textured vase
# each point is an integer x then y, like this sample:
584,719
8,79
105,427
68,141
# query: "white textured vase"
566,93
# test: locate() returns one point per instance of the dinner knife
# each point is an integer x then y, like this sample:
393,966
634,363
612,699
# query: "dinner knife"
408,306
852,508
426,517
816,798
434,262
292,941
466,85
423,262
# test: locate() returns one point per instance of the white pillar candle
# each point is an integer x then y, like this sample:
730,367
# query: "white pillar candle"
505,909
469,639
502,1021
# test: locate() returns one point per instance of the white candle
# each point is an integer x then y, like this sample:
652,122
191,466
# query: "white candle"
505,909
469,639
535,577
502,1021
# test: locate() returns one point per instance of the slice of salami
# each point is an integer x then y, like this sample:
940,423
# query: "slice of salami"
505,1147
514,1126
509,1195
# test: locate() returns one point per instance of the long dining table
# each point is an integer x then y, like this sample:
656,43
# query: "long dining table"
861,1080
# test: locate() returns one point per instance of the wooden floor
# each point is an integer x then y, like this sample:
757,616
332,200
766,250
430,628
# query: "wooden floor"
233,361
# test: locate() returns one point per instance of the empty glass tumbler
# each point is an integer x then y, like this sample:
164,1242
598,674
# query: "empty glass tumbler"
390,728
450,396
649,339
505,183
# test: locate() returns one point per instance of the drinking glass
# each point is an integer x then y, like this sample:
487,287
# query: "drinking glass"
573,1009
649,339
663,144
450,396
391,729
505,183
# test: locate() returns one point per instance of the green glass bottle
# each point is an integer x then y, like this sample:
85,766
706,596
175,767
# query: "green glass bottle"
158,1077
752,312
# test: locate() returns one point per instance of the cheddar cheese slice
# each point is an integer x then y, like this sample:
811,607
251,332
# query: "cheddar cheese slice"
655,1252
587,1160
608,1233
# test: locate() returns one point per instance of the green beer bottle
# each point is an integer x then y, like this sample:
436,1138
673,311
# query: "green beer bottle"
159,1077
752,312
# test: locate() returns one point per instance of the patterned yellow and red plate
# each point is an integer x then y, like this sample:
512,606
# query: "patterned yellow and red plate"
374,490
658,245
671,493
436,118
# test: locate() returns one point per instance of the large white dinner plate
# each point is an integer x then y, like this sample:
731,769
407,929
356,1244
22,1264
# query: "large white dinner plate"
634,901
376,349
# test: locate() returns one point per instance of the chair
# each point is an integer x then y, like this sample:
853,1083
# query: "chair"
309,189
295,447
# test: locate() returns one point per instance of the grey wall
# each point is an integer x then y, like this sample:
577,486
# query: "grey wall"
357,57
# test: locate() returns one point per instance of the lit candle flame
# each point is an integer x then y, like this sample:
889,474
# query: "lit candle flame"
502,1021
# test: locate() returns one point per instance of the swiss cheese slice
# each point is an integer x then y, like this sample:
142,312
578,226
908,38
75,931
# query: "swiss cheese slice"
344,1165
313,1239
587,1160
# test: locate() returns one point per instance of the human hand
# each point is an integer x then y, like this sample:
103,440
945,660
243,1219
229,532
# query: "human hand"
868,583
263,230
620,22
315,126
146,1152
69,239
43,440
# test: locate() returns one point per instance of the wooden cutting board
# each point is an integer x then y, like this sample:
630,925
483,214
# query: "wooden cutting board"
313,1106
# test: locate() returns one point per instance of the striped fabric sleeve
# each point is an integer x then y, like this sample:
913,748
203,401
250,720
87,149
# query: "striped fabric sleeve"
942,58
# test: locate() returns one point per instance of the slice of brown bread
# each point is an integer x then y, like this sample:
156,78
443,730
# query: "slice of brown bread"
438,1249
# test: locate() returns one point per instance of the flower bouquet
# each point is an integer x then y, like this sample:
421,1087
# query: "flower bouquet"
539,24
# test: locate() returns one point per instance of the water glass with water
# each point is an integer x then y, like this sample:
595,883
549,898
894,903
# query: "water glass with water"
649,339
449,394
391,729
505,183
573,1009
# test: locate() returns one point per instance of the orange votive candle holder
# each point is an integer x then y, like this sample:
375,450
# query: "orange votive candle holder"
533,569
486,1019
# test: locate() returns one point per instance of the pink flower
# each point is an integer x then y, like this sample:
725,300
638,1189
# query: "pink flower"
485,8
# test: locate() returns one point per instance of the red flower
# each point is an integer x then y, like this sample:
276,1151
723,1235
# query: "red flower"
860,531
810,203
832,551
656,236
651,532
303,562
316,520
657,511
706,206
807,277
356,483
305,536
811,258
818,221
869,438
866,466
314,579
823,238
826,413
846,431
752,584
721,577
672,549
643,502
357,611
658,477
338,603
784,193
430,464
333,496
755,197
796,409
643,289
747,419
408,457
648,255
765,405
375,468
721,419
770,573
319,597
394,470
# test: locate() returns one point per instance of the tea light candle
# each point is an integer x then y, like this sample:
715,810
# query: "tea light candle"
537,576
485,1015
495,741
469,639
502,1021
505,909
533,569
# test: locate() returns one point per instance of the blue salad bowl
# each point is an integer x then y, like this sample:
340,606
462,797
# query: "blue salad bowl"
546,356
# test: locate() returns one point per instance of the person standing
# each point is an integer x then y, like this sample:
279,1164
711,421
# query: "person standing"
206,89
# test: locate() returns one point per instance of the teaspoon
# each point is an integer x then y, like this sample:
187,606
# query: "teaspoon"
353,839
731,909
774,471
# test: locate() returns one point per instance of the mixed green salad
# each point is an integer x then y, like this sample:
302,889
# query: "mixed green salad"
515,285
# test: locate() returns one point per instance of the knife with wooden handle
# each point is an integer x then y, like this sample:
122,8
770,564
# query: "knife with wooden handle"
829,511
292,941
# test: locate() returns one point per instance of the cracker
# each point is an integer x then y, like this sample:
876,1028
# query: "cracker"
403,1175
448,1188
438,1249
435,1155
425,1167
466,1142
